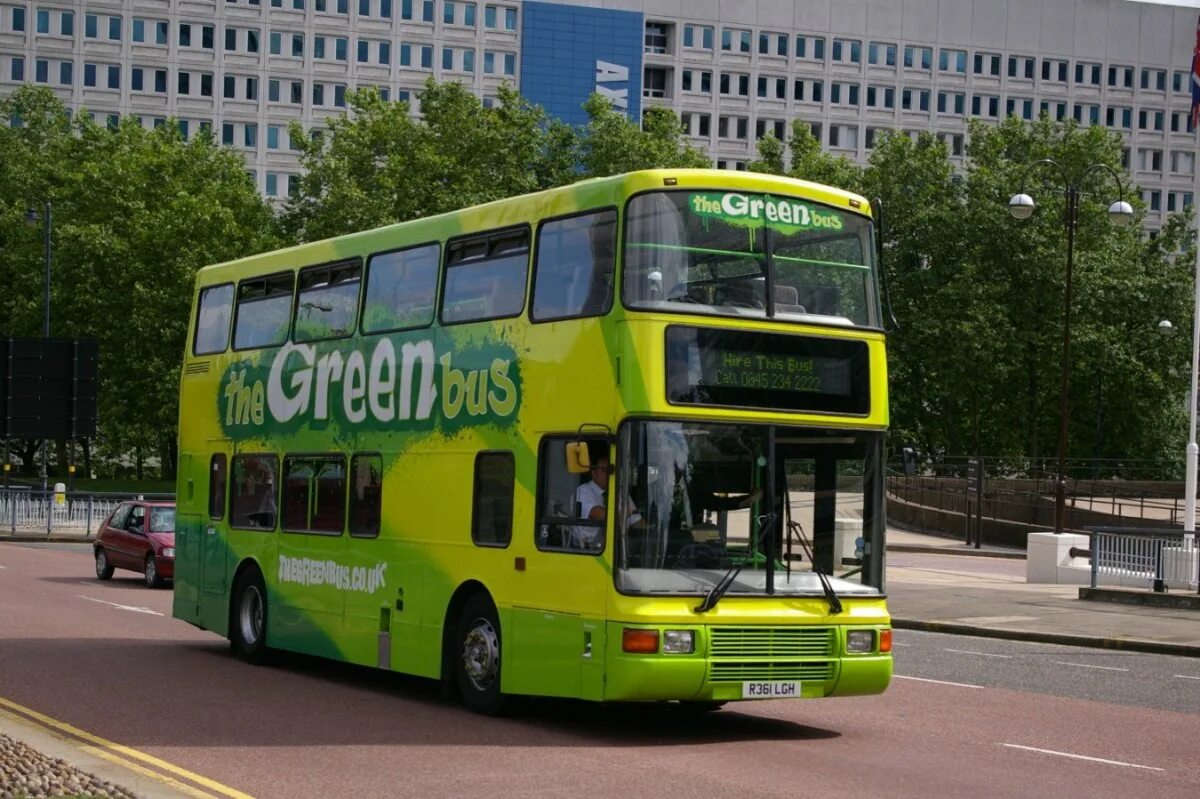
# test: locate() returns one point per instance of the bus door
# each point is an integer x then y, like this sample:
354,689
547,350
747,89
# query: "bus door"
189,529
213,543
558,600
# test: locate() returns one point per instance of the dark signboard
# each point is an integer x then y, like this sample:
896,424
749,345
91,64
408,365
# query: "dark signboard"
48,388
734,368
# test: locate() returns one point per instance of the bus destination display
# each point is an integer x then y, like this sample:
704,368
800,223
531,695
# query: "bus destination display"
756,370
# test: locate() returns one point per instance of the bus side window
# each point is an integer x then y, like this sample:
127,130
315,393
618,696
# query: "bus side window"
366,495
401,286
216,487
492,504
252,502
573,274
485,276
264,311
213,313
562,482
314,494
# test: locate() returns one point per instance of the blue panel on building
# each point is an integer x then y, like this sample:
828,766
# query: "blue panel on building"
568,52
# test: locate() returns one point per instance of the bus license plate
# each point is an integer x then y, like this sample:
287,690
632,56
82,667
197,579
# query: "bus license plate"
770,690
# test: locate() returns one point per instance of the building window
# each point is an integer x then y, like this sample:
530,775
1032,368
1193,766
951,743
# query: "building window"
656,37
847,51
698,37
918,57
881,54
952,61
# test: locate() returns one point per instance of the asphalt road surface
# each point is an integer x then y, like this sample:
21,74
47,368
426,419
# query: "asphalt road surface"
965,716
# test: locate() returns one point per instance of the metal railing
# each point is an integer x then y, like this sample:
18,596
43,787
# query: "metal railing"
1028,497
35,511
1137,555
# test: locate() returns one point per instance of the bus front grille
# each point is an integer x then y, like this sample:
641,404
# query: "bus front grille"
771,642
741,671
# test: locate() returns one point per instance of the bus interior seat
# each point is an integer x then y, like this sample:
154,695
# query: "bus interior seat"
742,294
787,300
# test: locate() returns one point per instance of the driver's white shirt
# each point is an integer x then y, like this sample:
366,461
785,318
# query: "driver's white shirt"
589,495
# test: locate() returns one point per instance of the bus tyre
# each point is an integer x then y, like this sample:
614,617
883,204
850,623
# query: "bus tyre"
707,706
104,569
248,622
477,659
153,579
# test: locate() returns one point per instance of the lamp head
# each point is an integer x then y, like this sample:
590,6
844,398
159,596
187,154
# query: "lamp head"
32,217
1121,214
1166,328
1021,206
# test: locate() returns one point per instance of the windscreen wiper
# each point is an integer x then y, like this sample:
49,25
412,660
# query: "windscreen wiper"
835,604
714,595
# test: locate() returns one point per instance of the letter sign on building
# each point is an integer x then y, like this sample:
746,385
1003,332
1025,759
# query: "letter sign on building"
607,74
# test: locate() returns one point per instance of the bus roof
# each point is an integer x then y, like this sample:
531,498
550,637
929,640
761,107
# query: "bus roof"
628,183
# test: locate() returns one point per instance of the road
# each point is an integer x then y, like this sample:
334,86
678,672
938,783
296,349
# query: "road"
965,716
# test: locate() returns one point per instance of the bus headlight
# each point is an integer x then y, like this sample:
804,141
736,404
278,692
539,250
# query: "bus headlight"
678,642
168,552
860,641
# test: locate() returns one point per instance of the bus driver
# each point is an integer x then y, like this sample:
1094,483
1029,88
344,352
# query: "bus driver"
592,500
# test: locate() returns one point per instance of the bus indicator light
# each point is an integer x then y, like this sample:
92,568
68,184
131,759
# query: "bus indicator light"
885,640
640,642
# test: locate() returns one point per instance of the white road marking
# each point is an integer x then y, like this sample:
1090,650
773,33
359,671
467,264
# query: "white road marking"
897,643
981,654
1089,666
121,607
939,682
1082,757
1186,677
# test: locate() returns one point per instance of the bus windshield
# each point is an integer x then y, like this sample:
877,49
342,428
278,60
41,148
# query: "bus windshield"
697,504
750,255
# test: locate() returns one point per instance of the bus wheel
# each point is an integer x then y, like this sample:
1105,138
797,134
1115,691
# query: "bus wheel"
248,626
477,663
702,706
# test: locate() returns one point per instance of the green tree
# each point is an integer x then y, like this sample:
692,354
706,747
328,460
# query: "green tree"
612,143
801,157
378,164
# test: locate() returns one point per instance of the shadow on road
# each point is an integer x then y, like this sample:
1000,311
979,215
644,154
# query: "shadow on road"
204,697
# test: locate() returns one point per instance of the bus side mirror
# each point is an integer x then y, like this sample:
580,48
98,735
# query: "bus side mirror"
578,460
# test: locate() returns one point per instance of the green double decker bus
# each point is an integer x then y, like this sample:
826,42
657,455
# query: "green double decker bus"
618,441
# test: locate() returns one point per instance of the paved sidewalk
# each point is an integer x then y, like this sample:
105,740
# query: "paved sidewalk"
932,586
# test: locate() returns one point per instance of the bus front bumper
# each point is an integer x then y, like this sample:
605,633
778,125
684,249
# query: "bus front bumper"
756,671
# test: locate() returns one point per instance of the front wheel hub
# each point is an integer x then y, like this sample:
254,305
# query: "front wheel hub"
481,654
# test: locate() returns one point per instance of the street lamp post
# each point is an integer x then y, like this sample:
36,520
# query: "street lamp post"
32,218
1022,206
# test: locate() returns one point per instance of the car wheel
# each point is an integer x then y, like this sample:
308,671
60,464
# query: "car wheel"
104,569
153,580
477,661
248,622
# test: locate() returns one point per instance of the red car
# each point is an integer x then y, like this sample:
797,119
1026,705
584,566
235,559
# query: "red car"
139,536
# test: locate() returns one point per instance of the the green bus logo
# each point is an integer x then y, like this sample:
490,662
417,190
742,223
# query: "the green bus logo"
785,215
